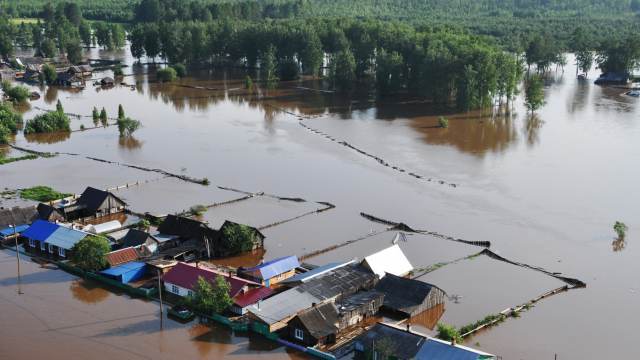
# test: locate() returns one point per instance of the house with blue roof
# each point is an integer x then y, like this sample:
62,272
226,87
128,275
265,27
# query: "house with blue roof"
36,235
49,239
271,272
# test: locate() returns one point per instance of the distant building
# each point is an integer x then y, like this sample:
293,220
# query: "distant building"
107,81
409,297
315,325
93,203
182,279
271,272
388,261
386,341
304,277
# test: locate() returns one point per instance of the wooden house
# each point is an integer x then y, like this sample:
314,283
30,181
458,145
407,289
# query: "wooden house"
271,272
409,297
359,307
93,203
317,325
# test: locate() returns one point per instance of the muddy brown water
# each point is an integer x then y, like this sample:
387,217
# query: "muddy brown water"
545,190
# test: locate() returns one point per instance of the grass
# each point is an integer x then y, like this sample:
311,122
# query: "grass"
42,194
18,21
19,158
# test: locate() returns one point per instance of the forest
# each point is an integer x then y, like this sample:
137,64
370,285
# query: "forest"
467,60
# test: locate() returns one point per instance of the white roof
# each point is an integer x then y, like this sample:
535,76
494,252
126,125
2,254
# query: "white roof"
104,227
390,260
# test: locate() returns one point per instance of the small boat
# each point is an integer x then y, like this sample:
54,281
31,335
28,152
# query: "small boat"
181,312
582,77
634,93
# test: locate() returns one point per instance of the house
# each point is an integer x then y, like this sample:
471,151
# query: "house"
86,70
388,261
93,203
274,313
304,277
36,235
49,213
409,297
315,325
358,307
60,243
11,232
271,272
127,272
182,279
66,78
122,256
386,341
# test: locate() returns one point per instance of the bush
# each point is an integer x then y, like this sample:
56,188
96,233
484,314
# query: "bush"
239,238
120,112
448,333
198,210
180,69
46,123
103,117
117,71
289,70
49,73
90,253
42,194
167,74
9,121
620,228
96,116
443,122
15,93
127,126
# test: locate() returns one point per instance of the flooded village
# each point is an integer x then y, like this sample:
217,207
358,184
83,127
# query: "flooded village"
292,222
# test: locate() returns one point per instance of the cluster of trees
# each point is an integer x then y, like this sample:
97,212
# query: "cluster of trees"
48,122
15,93
209,298
126,126
9,122
442,64
90,253
240,238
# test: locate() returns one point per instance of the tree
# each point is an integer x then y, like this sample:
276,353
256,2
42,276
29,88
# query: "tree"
268,66
59,107
211,298
74,52
181,70
15,93
620,228
48,48
239,238
152,41
136,37
117,71
443,122
49,73
96,116
389,71
148,11
54,121
127,126
448,333
248,83
343,70
534,93
621,55
84,30
120,111
72,13
9,121
89,254
104,119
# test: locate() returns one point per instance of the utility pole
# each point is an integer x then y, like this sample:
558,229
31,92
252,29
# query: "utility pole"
15,235
160,295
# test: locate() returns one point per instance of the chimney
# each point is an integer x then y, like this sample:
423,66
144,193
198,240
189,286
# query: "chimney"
408,327
197,262
259,304
313,304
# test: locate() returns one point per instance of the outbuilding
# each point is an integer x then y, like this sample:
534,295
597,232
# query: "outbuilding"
315,325
126,273
388,261
409,296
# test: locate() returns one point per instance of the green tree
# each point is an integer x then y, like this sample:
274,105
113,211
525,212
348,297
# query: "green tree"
620,228
49,73
53,121
16,93
90,253
167,74
136,37
74,52
448,333
248,83
117,71
534,93
389,72
211,298
72,13
343,70
181,70
120,111
84,30
95,114
127,126
9,121
104,119
239,238
48,48
620,55
268,66
59,107
443,122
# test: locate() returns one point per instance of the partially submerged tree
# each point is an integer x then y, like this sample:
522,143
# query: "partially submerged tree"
211,298
95,114
9,121
59,107
104,119
90,253
49,73
120,111
239,238
620,228
53,121
16,93
167,74
443,122
127,126
534,93
448,333
198,210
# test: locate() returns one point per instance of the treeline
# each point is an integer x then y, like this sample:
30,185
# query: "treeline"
440,64
106,10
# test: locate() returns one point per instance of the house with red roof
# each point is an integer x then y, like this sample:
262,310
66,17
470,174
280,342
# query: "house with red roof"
182,279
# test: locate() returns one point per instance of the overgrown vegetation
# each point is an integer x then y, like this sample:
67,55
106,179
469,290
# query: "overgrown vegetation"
4,161
9,122
210,298
534,93
127,126
239,238
443,122
198,210
16,94
167,74
52,121
448,333
42,194
90,253
620,228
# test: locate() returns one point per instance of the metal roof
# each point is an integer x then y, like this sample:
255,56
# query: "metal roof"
65,238
342,281
320,320
320,270
40,230
124,268
390,260
122,256
104,227
274,267
436,349
252,296
405,345
284,305
10,231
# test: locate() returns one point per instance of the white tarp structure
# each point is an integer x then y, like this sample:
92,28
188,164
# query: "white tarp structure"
390,260
104,227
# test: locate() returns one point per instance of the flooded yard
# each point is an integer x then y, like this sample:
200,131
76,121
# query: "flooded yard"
544,190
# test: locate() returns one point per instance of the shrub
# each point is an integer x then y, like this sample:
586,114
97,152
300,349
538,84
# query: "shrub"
443,122
117,71
15,93
103,117
167,74
96,116
448,333
59,107
127,126
9,121
620,228
120,112
248,83
239,238
42,194
198,210
181,70
90,253
49,73
46,123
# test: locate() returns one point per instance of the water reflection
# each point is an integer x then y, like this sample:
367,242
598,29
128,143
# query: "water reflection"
249,259
129,143
580,97
619,244
532,128
207,338
48,138
88,292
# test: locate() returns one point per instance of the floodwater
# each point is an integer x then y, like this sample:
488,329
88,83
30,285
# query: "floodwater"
544,190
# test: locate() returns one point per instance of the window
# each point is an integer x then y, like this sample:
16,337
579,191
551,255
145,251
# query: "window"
61,252
50,249
32,243
189,293
299,334
42,247
175,289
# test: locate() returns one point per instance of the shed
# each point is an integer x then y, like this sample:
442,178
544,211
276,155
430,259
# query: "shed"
126,273
358,307
122,256
388,261
10,231
271,272
104,227
408,296
316,325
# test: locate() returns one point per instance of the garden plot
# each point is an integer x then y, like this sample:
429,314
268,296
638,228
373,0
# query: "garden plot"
257,211
170,195
316,232
486,286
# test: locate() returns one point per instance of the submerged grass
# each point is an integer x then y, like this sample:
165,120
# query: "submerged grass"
19,158
42,194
